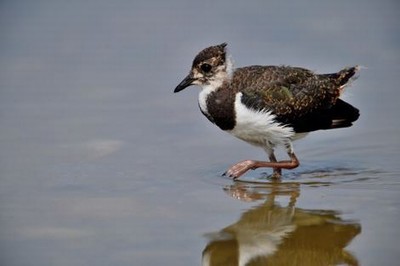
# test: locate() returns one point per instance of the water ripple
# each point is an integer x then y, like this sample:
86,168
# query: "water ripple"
319,176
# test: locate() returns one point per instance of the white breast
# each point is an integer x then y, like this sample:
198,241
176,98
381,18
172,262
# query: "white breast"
259,127
205,91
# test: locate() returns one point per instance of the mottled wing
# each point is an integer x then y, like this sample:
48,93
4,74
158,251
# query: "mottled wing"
296,96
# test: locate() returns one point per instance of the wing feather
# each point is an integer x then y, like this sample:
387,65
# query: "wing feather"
289,92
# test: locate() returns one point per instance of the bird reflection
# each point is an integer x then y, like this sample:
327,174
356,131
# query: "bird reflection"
271,234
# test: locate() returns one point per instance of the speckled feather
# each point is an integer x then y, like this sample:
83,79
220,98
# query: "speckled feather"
297,97
217,52
289,92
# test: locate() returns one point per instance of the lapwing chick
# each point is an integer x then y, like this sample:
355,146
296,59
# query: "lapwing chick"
268,106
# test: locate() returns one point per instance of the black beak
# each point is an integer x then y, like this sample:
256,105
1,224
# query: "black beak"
186,82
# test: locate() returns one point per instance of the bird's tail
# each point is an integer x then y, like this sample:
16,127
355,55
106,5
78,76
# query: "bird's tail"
343,114
343,77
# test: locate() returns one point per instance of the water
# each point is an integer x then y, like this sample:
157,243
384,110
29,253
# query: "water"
101,164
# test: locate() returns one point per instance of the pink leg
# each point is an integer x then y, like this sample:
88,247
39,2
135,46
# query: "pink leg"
240,168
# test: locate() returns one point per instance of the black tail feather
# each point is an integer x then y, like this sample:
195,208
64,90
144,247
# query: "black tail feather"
343,114
340,115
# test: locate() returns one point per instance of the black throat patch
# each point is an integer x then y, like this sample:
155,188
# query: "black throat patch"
220,106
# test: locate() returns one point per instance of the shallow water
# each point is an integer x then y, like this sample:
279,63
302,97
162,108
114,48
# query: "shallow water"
101,164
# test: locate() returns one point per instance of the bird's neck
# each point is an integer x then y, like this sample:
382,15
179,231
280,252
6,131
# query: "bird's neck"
206,90
222,78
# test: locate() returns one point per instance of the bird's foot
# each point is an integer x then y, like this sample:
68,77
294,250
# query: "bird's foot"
240,168
277,174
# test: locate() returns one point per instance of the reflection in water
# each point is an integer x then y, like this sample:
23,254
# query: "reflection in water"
270,234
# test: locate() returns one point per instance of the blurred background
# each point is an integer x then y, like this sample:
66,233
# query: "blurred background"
101,164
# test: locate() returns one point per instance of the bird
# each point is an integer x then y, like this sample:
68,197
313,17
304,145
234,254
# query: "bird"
268,106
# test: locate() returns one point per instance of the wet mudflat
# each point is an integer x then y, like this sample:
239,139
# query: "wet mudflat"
101,164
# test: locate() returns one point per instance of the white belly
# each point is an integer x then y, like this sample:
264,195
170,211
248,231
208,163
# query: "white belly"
259,127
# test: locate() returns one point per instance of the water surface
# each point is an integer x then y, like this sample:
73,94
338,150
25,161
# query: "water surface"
101,164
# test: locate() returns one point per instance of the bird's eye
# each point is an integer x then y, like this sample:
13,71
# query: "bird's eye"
206,68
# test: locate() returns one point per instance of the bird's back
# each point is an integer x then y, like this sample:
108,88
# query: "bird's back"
294,94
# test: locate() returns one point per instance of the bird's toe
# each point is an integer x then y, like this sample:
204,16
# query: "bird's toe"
240,168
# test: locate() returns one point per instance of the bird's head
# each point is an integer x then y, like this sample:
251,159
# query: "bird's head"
211,67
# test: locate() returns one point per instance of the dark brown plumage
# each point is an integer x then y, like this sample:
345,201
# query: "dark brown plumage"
296,96
267,105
